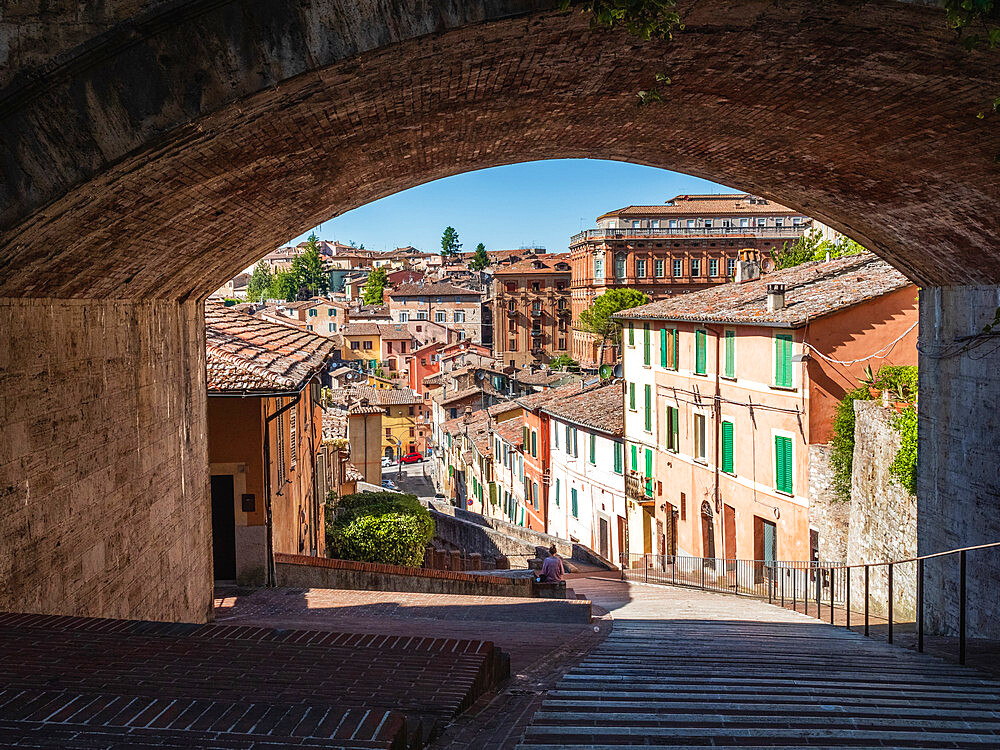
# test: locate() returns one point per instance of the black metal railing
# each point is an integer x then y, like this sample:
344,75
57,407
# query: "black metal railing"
825,589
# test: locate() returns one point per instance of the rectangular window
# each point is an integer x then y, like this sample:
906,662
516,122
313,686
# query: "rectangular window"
640,268
534,495
713,266
684,506
649,407
645,344
678,267
783,464
700,346
618,458
576,443
440,316
555,436
654,224
525,440
331,327
663,348
673,429
355,345
593,449
731,267
631,334
459,316
690,223
696,267
534,444
730,364
293,454
404,317
313,312
699,437
574,503
783,360
648,484
727,447
708,223
673,361
631,396
635,460
557,492
332,312
658,266
569,445
673,224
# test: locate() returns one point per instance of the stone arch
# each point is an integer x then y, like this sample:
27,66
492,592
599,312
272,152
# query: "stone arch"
150,148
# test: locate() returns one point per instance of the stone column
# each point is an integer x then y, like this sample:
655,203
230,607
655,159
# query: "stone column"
104,502
958,485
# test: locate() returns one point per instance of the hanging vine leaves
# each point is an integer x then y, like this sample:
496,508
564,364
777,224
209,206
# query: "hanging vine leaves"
646,19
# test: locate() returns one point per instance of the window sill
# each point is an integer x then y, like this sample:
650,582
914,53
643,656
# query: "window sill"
785,388
782,492
700,374
702,461
730,378
647,367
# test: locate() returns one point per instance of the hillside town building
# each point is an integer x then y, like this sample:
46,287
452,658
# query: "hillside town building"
727,389
691,242
532,310
439,302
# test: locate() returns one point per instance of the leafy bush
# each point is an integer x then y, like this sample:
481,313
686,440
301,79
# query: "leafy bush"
381,527
901,383
904,466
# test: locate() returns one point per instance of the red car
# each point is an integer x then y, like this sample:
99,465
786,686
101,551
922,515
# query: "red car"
411,458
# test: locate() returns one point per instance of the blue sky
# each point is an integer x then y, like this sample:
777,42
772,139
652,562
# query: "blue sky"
535,203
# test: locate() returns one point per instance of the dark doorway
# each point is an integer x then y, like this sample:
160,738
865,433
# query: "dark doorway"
604,540
223,528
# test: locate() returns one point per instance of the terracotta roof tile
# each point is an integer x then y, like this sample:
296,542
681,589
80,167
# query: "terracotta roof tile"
540,264
812,290
721,205
435,289
246,353
599,407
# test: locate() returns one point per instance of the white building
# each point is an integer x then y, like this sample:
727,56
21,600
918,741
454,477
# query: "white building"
586,491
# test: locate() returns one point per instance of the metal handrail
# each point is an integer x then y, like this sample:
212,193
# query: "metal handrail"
770,578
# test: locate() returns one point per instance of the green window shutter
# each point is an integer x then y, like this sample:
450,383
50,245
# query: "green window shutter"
663,348
631,334
699,352
727,447
635,460
557,492
575,506
567,440
730,354
783,360
649,473
783,464
631,396
677,350
618,458
672,429
649,407
593,448
645,345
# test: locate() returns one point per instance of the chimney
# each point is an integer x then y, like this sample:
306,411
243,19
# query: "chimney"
775,297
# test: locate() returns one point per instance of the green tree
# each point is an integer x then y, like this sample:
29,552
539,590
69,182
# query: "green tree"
260,283
597,319
564,362
307,267
375,286
449,242
479,259
284,285
812,246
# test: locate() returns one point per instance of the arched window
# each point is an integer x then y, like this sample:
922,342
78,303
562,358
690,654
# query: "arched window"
620,266
598,267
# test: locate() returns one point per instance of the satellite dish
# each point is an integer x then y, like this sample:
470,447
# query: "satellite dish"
619,370
606,371
480,375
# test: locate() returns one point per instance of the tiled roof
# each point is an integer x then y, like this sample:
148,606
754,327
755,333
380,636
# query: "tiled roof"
391,396
543,398
812,290
334,424
735,203
540,264
599,407
361,329
352,474
546,377
457,395
436,289
510,430
394,331
246,353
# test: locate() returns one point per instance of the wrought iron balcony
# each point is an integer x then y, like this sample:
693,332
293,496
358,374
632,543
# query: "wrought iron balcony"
637,487
536,313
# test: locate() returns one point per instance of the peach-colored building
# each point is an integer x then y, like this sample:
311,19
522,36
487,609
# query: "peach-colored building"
727,388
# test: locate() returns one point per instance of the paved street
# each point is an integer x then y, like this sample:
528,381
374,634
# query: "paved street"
412,478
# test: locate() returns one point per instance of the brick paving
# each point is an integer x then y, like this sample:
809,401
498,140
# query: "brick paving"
93,683
687,668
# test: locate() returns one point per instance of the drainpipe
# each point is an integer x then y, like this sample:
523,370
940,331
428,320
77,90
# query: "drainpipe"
270,574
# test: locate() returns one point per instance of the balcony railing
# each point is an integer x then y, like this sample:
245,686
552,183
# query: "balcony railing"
638,487
648,232
536,313
536,334
511,313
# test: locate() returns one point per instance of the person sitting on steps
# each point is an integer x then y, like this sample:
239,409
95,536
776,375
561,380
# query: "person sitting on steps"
552,567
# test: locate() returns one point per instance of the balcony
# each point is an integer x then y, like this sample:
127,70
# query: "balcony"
536,313
564,312
511,313
537,334
649,233
637,487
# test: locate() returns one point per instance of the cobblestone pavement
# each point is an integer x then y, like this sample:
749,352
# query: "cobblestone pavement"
685,668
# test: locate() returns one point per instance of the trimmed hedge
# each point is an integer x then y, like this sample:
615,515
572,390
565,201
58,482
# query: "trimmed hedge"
379,527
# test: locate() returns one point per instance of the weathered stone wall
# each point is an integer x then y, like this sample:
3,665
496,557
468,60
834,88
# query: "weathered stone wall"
828,514
883,515
959,445
104,505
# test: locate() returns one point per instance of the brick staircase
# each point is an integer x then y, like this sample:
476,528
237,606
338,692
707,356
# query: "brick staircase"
91,683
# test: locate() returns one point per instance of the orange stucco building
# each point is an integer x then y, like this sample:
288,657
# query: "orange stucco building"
270,469
727,388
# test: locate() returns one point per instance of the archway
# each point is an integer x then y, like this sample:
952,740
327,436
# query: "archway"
155,148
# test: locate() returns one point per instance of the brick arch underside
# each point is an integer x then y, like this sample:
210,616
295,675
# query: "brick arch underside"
158,160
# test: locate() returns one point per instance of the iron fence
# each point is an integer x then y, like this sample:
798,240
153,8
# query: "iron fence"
849,595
